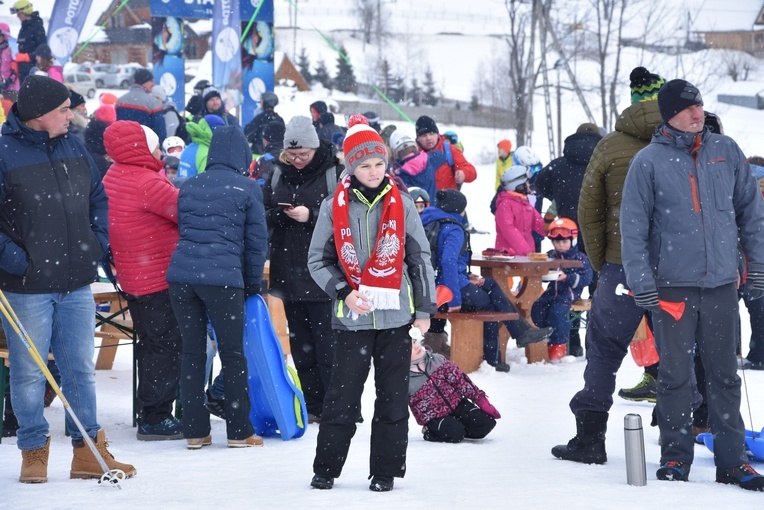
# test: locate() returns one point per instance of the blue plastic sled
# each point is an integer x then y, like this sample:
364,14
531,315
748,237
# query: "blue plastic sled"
278,405
754,443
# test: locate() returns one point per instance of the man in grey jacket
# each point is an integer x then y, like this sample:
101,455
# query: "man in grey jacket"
687,197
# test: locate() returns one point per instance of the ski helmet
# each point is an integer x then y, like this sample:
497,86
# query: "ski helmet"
563,228
527,157
269,99
171,142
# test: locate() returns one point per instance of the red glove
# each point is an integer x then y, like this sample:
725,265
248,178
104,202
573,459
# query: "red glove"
487,407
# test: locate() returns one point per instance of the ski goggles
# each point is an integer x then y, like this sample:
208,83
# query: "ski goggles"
533,170
562,233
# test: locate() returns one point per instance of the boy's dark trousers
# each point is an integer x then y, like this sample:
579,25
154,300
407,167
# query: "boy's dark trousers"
391,351
467,421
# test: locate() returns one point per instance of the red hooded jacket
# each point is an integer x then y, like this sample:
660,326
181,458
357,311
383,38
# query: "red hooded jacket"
444,175
143,211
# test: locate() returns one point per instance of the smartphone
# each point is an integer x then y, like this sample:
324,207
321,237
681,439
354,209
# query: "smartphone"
285,205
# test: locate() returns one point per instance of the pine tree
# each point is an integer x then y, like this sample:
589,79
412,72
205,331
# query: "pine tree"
474,103
415,93
322,74
385,77
303,65
345,81
429,98
397,90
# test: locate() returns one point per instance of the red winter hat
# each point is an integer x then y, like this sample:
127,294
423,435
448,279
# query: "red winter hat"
505,145
362,142
106,113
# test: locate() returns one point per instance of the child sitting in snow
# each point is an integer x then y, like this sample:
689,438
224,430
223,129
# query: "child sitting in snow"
446,401
553,306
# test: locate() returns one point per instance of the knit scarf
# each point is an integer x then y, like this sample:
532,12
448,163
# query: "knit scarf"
380,279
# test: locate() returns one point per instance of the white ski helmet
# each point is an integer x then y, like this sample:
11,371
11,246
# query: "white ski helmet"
514,176
171,142
525,156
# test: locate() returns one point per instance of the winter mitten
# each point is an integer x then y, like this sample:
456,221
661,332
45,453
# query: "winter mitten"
648,300
754,286
487,407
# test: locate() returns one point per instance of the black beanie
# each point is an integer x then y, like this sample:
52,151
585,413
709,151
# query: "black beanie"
76,98
274,131
424,125
39,95
450,200
209,94
142,76
675,96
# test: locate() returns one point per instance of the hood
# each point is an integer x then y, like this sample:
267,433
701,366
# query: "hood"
200,132
432,213
510,196
14,127
639,120
579,147
326,118
125,142
680,140
229,150
94,136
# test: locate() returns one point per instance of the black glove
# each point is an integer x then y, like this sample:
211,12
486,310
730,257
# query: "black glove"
251,290
754,286
648,300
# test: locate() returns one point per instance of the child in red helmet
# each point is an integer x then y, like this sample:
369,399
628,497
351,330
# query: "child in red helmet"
553,306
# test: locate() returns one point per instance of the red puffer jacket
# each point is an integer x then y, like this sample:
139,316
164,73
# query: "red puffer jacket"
143,211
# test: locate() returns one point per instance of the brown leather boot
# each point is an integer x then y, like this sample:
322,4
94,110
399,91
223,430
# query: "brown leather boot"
85,465
34,467
438,343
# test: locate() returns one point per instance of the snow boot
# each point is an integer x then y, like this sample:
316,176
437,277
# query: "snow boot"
381,483
85,465
744,476
34,466
534,335
645,390
322,482
557,351
677,471
438,343
253,440
588,446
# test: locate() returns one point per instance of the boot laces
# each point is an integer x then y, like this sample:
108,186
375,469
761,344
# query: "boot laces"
37,455
644,382
101,447
748,470
673,464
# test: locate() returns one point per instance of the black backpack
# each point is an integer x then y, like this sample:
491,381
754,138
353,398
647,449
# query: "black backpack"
432,231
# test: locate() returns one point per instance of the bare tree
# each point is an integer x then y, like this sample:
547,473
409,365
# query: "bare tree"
521,42
739,64
366,12
609,18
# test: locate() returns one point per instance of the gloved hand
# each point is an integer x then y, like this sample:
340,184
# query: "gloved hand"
487,407
648,300
251,290
754,286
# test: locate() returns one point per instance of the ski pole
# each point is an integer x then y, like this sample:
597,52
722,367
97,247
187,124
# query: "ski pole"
675,309
110,476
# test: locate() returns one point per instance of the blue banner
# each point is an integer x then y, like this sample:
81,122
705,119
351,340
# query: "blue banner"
257,66
167,57
226,52
66,22
249,7
196,9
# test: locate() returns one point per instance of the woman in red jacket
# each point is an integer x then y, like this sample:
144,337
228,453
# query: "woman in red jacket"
143,233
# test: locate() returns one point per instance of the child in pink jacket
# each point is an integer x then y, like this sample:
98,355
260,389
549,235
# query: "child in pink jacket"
516,218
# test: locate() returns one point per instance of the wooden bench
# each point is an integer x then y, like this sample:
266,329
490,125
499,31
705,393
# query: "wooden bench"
467,335
578,309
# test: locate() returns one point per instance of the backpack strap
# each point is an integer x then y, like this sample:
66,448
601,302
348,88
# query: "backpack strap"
449,156
331,179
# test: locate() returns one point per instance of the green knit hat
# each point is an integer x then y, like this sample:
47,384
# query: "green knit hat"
644,85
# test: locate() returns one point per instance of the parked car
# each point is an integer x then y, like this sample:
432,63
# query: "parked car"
126,75
106,75
82,83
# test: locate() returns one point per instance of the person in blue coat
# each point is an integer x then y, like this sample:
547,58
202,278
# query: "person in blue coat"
219,260
552,308
471,292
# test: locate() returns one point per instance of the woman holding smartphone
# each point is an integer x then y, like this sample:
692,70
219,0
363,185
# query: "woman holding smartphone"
307,172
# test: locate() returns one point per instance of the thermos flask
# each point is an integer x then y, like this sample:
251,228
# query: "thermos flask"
636,471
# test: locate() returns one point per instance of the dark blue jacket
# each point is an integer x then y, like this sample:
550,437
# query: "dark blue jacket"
53,211
223,236
451,262
578,278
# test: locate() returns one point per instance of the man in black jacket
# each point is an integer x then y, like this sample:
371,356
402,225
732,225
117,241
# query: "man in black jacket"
52,234
31,35
254,130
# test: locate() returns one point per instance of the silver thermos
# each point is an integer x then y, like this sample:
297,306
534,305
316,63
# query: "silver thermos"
636,471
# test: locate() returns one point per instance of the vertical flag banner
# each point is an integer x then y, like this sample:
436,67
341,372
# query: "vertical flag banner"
192,9
226,56
257,66
167,57
66,22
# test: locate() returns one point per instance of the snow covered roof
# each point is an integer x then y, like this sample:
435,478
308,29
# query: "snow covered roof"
727,15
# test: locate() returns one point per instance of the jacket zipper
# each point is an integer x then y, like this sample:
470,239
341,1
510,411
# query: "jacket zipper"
694,187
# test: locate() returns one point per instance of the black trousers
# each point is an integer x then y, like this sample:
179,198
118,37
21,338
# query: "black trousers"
225,308
311,340
391,352
158,354
467,420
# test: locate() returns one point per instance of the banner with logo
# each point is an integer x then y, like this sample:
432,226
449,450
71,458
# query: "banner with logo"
167,57
249,7
66,22
226,56
257,66
196,9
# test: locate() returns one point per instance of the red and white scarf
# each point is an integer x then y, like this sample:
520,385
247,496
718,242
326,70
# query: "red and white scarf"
380,279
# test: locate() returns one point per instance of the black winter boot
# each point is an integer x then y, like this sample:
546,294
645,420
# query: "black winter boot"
589,444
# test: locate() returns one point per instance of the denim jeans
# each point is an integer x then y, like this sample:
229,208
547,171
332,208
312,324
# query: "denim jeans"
64,324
